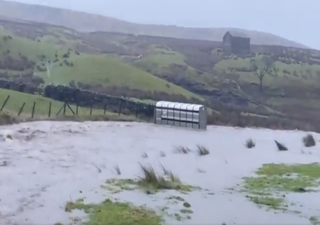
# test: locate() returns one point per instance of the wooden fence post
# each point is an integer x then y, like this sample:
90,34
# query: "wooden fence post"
49,112
136,112
33,109
105,109
20,111
77,108
90,109
149,115
120,107
64,108
70,109
5,102
60,110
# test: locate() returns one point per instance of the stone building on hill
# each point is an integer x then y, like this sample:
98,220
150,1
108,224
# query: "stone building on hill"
236,44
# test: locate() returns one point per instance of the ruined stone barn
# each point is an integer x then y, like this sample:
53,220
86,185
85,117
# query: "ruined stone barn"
236,43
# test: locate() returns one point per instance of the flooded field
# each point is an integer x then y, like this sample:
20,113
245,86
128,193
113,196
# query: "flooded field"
51,171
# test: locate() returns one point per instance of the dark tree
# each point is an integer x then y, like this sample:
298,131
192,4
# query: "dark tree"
261,67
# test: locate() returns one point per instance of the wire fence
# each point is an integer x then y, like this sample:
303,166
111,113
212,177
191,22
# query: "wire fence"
54,109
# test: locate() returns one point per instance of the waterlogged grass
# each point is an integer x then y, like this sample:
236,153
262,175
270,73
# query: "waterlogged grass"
176,198
177,214
274,181
118,185
109,212
150,181
314,220
271,202
152,185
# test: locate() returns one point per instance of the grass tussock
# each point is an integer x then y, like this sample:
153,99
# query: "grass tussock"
164,170
117,169
308,140
150,180
200,171
202,151
149,175
144,155
281,147
182,150
172,177
162,154
250,143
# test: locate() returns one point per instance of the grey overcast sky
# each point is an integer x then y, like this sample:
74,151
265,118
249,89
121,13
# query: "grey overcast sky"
297,20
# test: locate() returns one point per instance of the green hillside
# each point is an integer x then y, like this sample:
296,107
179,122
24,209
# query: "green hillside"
295,72
148,69
109,71
21,55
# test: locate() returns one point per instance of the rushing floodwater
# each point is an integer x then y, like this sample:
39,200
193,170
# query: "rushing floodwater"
50,163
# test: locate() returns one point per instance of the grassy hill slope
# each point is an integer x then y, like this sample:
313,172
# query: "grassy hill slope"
160,68
89,22
25,57
203,68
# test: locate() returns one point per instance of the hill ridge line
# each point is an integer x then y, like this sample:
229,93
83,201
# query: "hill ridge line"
89,22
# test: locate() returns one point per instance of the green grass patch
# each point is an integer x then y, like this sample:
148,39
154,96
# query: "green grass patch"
271,202
163,57
158,60
102,70
110,72
27,47
315,220
109,212
274,181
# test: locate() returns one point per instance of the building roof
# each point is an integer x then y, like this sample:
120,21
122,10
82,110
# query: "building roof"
236,33
178,105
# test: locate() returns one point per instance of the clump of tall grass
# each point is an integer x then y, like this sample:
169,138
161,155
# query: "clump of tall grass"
182,150
250,143
202,151
151,180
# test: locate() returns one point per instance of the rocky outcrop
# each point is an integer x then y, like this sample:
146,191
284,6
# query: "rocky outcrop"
87,98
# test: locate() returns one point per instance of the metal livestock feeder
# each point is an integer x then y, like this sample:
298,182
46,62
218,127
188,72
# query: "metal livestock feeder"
181,115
